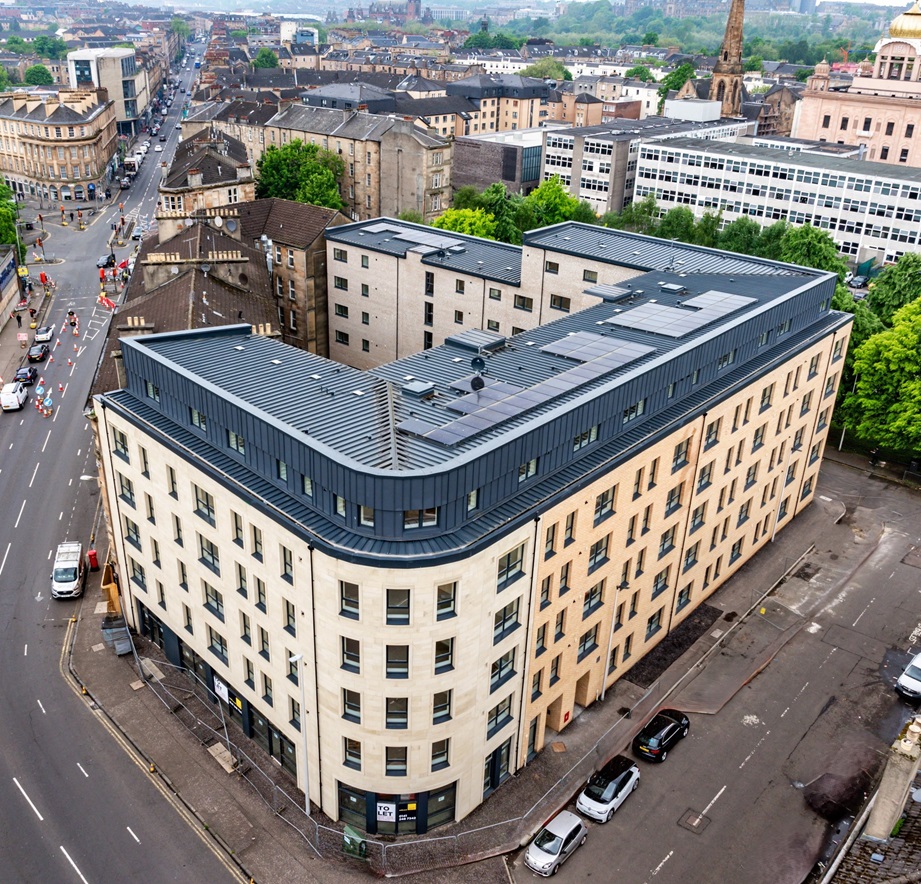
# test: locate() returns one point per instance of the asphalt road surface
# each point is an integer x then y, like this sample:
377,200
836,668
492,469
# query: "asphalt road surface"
728,804
74,805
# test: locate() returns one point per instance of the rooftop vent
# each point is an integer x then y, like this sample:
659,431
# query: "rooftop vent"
418,389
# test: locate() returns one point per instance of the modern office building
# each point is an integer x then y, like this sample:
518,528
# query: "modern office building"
403,582
117,70
871,209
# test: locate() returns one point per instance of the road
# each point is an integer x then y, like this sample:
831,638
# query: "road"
728,805
74,806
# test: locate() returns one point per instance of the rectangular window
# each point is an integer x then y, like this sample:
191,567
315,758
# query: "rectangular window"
340,255
290,618
593,599
395,761
588,642
673,501
540,641
341,283
527,470
510,566
351,753
208,554
552,267
505,621
126,489
424,518
121,444
550,541
585,438
204,504
236,442
397,607
171,483
653,624
590,276
598,553
214,600
351,705
397,715
348,600
199,420
634,411
351,654
444,655
524,303
555,669
680,457
499,716
446,601
397,661
217,644
604,505
502,670
558,302
441,707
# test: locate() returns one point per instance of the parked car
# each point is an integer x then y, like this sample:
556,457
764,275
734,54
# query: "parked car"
106,261
26,375
44,334
162,138
38,353
608,788
13,396
178,125
858,282
125,183
660,734
555,843
909,682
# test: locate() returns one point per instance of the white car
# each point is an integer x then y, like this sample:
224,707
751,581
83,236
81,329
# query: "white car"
608,789
909,682
158,148
555,843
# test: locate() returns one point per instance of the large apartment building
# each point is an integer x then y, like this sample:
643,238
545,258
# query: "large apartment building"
872,210
419,574
55,146
117,70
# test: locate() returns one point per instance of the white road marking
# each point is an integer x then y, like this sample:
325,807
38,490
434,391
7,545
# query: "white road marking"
658,868
3,563
16,525
41,707
703,813
82,770
34,472
40,817
74,865
753,751
25,653
61,516
46,441
133,835
864,611
892,575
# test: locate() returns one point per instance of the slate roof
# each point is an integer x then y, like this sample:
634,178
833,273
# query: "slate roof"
284,221
216,155
61,115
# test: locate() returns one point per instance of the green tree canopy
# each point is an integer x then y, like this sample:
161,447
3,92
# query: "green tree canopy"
412,216
742,235
180,27
899,284
770,244
547,69
50,47
239,34
265,58
650,38
637,217
503,207
675,80
753,63
812,247
287,172
547,204
38,75
18,45
677,223
640,72
466,197
885,406
475,222
500,40
707,230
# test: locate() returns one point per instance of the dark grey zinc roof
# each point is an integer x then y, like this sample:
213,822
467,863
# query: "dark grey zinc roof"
366,417
649,253
470,255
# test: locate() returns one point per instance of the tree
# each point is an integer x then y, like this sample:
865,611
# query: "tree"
239,34
38,75
180,27
898,285
812,247
769,245
641,217
677,223
547,204
753,63
475,222
885,405
287,172
412,216
503,207
675,80
50,47
265,58
18,45
742,235
640,72
650,38
466,197
707,231
547,69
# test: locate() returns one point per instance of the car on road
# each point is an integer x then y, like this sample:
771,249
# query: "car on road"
660,734
44,334
555,843
909,682
858,282
608,788
158,148
125,183
162,138
38,353
27,375
106,261
178,125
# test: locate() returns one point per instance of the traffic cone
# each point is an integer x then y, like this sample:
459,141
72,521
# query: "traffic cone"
51,358
57,343
76,349
60,388
41,382
70,361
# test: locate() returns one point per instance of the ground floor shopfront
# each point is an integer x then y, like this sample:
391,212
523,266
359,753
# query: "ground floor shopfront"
372,812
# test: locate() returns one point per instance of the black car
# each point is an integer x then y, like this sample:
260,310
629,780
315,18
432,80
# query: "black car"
663,731
162,138
38,353
858,282
106,261
27,375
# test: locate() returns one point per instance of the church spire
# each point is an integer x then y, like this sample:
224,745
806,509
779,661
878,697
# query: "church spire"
726,86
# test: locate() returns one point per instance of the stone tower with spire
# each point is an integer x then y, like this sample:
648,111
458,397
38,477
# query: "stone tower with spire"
726,85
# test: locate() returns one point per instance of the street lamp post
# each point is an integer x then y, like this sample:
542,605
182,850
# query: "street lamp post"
624,585
297,659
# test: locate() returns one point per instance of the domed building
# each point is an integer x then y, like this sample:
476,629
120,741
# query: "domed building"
880,109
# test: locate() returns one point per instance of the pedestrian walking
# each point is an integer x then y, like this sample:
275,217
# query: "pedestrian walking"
18,320
874,457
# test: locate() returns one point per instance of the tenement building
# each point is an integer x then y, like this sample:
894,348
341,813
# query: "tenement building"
432,566
872,210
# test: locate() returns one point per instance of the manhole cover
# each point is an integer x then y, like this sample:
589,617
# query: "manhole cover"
558,747
694,822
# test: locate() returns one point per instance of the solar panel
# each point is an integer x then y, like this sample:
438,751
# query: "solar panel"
676,322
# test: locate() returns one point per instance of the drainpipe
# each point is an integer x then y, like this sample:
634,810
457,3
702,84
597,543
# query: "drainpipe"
316,683
527,646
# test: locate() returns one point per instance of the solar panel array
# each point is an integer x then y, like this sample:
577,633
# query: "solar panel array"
585,346
486,414
676,322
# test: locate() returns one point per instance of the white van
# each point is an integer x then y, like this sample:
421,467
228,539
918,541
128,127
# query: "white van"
13,396
69,572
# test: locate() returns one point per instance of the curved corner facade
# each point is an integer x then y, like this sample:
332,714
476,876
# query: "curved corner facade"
414,577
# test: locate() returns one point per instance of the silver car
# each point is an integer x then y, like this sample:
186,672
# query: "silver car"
555,843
